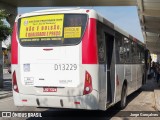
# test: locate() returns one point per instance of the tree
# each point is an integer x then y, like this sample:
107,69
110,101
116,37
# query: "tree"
5,30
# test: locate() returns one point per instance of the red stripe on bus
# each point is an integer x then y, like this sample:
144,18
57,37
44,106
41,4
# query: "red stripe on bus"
14,46
89,43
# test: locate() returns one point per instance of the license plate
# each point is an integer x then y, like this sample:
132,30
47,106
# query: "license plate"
49,89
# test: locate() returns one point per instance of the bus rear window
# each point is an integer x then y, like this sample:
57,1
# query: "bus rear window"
52,30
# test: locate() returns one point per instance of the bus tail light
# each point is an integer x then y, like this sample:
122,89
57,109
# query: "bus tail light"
88,84
15,86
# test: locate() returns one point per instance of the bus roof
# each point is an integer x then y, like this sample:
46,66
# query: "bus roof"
92,14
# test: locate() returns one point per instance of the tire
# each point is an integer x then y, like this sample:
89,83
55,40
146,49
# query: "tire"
144,79
123,101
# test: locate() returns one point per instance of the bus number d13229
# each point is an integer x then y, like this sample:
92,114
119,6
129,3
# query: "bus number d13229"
65,67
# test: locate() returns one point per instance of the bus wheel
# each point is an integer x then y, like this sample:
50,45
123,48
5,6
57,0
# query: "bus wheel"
143,80
123,101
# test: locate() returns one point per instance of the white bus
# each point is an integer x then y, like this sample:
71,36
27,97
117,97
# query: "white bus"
73,58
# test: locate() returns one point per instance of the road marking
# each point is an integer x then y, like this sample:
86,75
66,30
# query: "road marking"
6,99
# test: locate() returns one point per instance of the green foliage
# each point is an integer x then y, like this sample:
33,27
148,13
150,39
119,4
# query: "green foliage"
5,30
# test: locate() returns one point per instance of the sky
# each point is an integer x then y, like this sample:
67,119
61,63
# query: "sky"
124,17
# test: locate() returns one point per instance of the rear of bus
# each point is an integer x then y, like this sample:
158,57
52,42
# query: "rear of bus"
54,59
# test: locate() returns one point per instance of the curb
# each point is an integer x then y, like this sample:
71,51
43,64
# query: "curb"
157,99
6,95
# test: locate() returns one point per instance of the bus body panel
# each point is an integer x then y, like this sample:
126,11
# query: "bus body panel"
134,74
61,91
34,69
120,79
38,66
77,102
36,59
14,45
140,73
102,85
127,76
133,82
69,95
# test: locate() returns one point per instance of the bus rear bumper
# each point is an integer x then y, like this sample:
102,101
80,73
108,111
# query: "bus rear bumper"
90,101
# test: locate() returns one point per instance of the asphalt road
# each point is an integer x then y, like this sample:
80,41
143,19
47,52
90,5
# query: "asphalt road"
139,101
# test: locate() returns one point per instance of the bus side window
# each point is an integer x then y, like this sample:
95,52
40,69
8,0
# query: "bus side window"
133,51
127,51
101,51
119,49
138,54
142,54
101,44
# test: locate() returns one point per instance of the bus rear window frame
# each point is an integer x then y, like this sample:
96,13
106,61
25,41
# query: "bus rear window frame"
80,39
